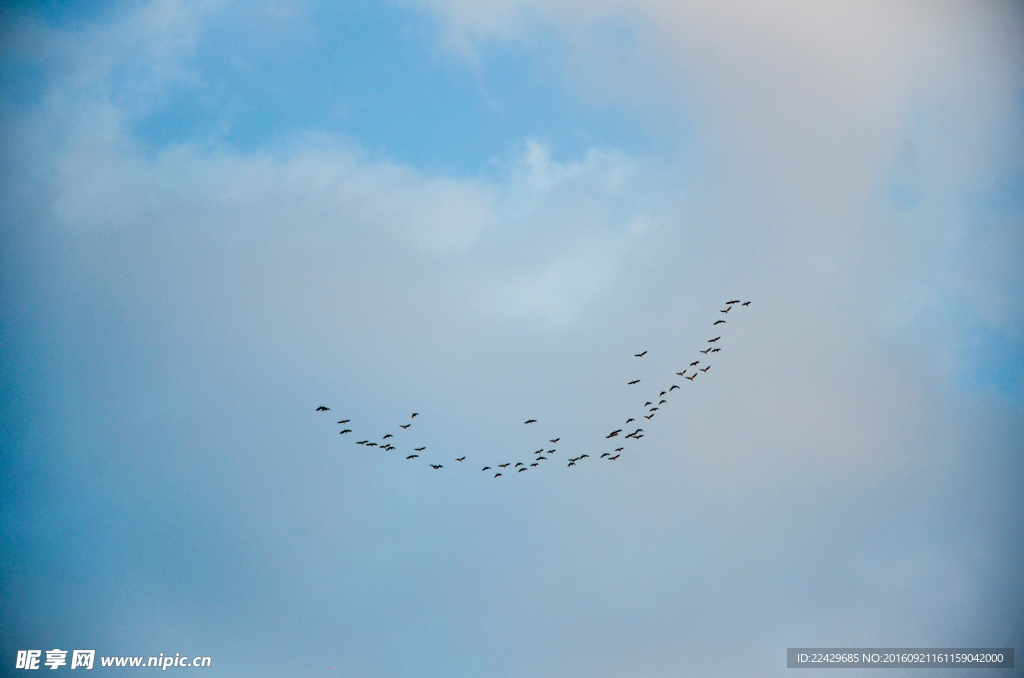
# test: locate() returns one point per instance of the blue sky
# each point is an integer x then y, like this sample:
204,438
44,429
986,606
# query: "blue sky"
217,216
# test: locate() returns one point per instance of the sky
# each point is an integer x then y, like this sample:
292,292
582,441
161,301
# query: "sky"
217,216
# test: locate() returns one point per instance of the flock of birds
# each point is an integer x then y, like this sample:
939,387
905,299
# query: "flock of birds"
540,456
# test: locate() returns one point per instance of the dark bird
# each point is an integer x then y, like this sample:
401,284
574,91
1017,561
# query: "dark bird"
648,403
404,425
734,301
614,433
571,463
388,447
706,368
727,309
745,303
681,374
583,456
613,458
387,436
695,362
662,402
692,377
550,451
419,449
617,449
630,419
640,436
530,421
674,387
641,355
555,440
648,417
486,468
518,463
715,350
533,464
414,415
541,458
635,381
604,455
348,430
711,341
371,444
521,470
322,409
344,421
506,465
461,459
717,322
706,351
661,395
412,456
496,475
539,451
436,466
362,442
654,409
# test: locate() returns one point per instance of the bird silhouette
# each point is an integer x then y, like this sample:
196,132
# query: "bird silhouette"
706,368
404,425
650,416
745,303
692,377
414,415
661,395
635,381
674,387
613,458
695,362
521,470
604,455
654,409
344,421
387,436
539,451
322,408
630,419
533,464
718,322
614,433
555,440
551,450
641,355
436,466
461,459
541,458
518,463
362,442
571,463
486,468
506,465
419,449
371,444
348,430
662,402
682,374
734,301
530,421
715,350
617,449
727,309
412,456
583,456
711,341
496,475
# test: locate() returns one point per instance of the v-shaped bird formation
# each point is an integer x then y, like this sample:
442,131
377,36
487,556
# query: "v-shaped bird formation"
406,437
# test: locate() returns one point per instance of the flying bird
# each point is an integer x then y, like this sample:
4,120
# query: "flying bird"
711,341
583,456
461,459
322,409
674,387
708,350
571,463
604,455
695,362
496,475
539,451
387,436
641,355
521,470
617,449
344,421
661,395
404,425
540,458
654,409
662,402
745,303
706,368
635,381
614,433
613,458
530,421
715,350
506,465
371,444
555,440
436,466
630,419
419,449
348,430
648,403
727,309
412,456
692,377
734,301
681,374
486,468
362,442
533,464
518,463
717,322
648,417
